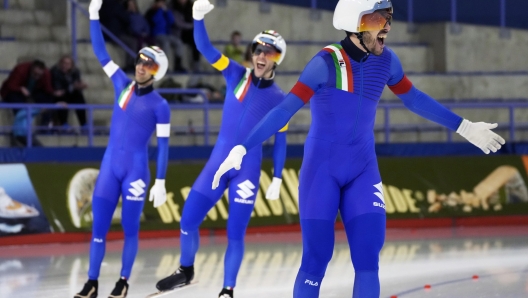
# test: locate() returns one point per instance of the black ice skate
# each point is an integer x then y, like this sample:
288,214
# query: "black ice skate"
120,290
226,292
89,290
181,277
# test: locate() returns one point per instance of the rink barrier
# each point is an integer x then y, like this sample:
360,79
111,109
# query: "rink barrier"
416,192
394,226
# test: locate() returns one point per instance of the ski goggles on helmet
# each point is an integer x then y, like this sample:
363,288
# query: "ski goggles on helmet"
376,20
148,63
270,52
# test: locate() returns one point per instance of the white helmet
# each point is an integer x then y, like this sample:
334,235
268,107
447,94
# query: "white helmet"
159,58
353,15
271,38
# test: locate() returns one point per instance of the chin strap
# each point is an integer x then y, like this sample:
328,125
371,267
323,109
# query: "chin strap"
143,83
272,74
360,37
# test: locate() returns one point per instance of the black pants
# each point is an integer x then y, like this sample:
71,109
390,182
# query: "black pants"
76,97
187,37
36,97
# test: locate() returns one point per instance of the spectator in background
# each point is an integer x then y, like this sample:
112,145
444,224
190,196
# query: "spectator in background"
139,26
161,22
28,82
234,50
66,78
183,11
212,93
115,18
248,56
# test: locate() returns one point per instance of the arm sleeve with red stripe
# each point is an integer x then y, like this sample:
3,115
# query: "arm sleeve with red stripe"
417,101
313,77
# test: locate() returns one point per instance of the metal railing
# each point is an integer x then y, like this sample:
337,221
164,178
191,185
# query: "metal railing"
387,128
511,125
90,108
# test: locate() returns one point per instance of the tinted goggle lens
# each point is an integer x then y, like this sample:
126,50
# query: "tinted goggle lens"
376,20
270,52
148,63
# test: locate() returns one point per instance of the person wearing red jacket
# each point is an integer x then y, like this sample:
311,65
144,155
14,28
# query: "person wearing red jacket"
28,82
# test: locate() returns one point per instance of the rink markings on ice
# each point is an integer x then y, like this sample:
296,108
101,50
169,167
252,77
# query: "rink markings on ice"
431,287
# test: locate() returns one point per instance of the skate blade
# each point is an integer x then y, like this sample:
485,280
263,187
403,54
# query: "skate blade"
179,288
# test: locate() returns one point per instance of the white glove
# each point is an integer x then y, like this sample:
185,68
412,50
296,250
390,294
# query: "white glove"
95,6
201,8
480,135
158,194
233,160
273,191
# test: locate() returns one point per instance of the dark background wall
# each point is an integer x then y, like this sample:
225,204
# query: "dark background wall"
484,12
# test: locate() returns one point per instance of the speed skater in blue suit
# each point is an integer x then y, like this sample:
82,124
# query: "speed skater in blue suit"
339,173
250,94
138,111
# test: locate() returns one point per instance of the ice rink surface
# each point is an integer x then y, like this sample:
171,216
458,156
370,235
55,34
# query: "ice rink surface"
454,262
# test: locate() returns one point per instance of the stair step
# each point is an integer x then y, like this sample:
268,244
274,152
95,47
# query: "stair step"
25,17
47,50
22,4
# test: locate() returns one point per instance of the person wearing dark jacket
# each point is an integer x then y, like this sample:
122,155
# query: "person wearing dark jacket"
67,78
183,13
161,22
114,17
139,26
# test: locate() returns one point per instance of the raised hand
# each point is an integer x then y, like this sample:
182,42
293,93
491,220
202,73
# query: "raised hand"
93,9
201,8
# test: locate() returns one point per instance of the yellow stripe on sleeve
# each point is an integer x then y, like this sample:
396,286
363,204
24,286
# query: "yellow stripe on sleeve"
285,128
222,63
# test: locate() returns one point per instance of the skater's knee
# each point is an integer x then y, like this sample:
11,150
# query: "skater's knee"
98,233
318,245
315,261
131,231
236,234
190,223
316,257
130,227
195,209
366,235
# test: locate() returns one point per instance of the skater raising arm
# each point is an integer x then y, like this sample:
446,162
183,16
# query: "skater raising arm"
250,94
138,112
112,70
229,68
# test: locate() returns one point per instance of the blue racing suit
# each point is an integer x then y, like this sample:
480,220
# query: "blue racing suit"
340,169
137,113
248,99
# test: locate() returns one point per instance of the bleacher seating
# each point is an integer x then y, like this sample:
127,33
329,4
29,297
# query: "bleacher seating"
474,65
